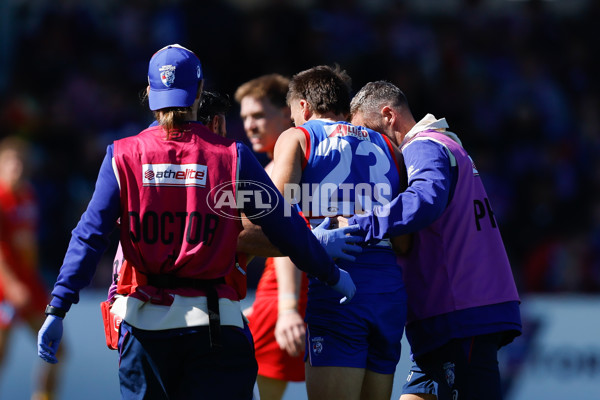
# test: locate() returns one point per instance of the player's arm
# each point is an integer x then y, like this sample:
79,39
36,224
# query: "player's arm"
287,158
290,330
283,226
253,241
287,168
430,183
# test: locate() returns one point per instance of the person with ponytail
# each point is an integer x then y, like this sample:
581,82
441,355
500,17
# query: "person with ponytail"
178,190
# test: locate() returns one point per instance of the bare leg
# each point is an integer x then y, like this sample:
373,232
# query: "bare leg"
422,396
326,383
377,386
270,388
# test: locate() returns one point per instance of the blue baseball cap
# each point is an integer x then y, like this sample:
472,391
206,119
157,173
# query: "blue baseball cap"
174,73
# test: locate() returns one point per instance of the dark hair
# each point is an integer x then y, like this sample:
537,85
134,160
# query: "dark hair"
271,86
211,104
325,88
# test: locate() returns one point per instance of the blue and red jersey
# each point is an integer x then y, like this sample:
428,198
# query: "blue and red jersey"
346,168
349,168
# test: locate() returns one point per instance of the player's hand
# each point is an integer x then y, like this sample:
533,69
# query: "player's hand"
49,338
341,222
338,242
290,332
345,286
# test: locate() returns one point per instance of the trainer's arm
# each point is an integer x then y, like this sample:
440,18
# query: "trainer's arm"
430,185
284,227
253,241
286,168
90,238
401,244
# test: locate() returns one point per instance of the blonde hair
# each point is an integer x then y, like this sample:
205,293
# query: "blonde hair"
171,118
274,87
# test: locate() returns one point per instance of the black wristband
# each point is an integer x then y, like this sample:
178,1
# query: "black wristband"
58,312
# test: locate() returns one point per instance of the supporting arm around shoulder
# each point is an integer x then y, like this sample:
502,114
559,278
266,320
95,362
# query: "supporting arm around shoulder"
338,243
252,240
429,186
285,228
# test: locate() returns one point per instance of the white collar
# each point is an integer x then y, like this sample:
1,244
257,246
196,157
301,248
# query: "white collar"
430,122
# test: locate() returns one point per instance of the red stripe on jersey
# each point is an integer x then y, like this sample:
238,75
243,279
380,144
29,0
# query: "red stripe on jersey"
307,148
393,153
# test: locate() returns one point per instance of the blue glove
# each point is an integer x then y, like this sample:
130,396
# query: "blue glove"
336,241
345,286
49,338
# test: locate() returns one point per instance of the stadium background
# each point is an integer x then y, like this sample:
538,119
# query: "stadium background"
514,78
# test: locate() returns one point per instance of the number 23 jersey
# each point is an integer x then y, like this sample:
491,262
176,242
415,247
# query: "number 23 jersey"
346,169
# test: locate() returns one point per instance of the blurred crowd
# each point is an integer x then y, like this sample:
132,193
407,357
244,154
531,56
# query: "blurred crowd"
516,83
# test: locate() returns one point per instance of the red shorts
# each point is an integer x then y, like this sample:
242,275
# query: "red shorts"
272,361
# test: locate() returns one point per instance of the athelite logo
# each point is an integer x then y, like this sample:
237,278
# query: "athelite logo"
174,175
